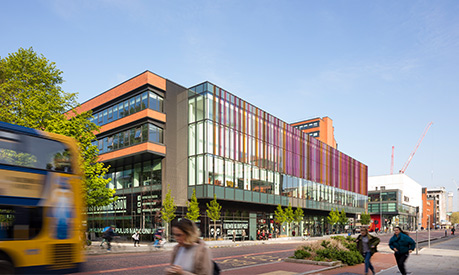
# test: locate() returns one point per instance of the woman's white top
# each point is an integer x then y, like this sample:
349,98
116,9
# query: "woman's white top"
185,258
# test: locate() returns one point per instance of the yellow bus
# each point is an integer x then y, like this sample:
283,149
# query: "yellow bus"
41,204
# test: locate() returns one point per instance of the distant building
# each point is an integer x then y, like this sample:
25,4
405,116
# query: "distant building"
400,198
440,200
449,205
429,210
319,128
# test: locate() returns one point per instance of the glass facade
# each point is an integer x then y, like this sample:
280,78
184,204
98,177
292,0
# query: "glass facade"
234,144
130,137
389,205
138,188
129,106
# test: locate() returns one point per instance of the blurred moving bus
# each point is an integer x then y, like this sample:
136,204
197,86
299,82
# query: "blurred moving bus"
41,204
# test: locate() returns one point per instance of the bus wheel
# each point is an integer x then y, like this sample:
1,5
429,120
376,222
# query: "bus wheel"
6,267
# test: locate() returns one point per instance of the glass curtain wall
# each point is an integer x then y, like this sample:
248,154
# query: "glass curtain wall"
234,144
138,188
134,104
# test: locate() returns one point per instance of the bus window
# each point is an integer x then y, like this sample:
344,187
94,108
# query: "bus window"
20,222
34,152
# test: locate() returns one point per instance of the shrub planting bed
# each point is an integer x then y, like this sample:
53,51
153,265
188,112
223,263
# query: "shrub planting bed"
337,248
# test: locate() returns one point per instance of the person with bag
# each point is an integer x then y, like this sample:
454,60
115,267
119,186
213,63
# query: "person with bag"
403,245
190,255
136,238
367,245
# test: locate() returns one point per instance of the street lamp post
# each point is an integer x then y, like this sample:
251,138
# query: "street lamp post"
428,217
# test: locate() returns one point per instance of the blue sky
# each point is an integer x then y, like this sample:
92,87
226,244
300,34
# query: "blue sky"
382,70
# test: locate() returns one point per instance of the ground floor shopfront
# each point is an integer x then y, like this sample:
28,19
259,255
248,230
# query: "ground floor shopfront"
250,222
387,221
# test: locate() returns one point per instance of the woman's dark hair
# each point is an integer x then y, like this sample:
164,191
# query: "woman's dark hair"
404,232
189,229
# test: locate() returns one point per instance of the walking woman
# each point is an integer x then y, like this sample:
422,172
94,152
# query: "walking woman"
367,244
403,245
190,255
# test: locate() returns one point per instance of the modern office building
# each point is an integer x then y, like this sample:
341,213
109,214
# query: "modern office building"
403,196
319,128
158,136
439,193
387,207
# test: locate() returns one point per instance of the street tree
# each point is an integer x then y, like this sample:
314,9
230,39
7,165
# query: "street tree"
455,218
279,216
214,212
298,218
333,217
168,210
289,217
365,219
343,220
193,208
31,95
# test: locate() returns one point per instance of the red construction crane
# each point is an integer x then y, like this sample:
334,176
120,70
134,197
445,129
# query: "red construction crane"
405,166
392,162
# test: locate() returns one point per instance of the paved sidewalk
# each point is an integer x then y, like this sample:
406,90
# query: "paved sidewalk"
128,247
440,258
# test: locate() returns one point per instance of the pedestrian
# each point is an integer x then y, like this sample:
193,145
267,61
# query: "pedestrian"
403,245
190,255
158,237
243,234
136,238
452,230
234,235
108,236
367,245
103,239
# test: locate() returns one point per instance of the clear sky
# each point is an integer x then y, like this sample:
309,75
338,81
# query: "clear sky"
382,70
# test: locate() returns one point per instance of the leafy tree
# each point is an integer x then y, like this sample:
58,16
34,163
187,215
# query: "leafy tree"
168,210
298,217
343,220
333,217
289,216
279,215
455,217
31,96
365,219
193,208
214,212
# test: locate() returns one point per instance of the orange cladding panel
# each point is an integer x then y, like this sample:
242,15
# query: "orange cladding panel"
123,88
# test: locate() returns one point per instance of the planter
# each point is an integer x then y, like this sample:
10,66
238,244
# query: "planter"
311,262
